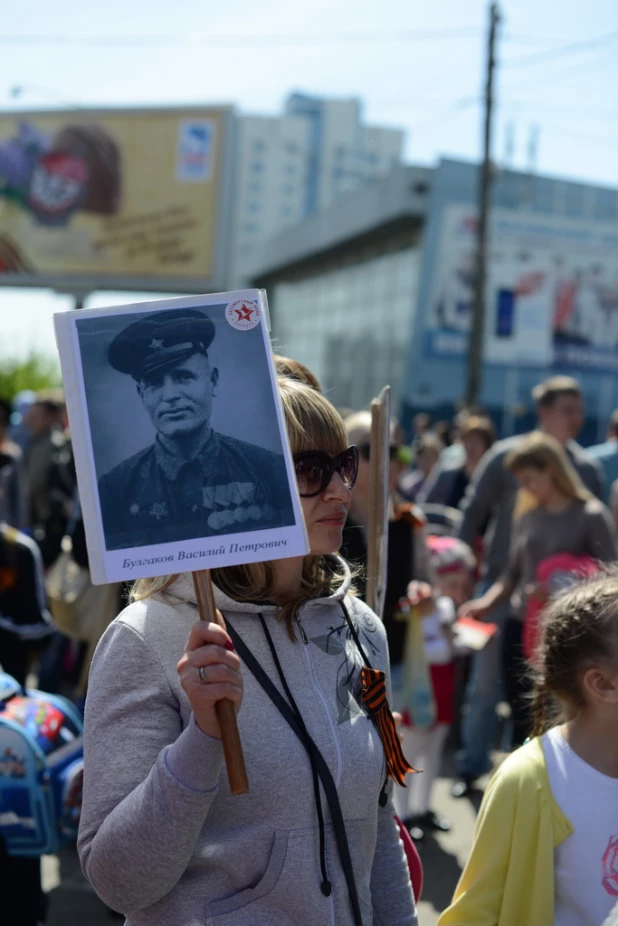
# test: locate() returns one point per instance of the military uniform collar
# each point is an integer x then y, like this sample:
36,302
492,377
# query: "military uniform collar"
171,463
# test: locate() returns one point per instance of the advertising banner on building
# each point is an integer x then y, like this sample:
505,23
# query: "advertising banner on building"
116,199
552,290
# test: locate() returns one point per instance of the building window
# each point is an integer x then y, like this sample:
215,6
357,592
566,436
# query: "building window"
288,189
543,196
574,200
255,187
291,147
250,227
257,167
259,145
253,207
290,169
606,204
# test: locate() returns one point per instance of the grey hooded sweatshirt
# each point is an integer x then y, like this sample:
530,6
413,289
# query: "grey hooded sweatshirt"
163,841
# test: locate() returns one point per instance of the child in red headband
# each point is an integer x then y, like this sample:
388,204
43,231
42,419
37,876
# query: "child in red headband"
428,685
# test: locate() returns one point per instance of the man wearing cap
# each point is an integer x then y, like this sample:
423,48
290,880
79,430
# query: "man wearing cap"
192,482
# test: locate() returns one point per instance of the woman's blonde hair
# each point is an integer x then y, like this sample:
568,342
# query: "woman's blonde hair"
294,369
312,423
540,451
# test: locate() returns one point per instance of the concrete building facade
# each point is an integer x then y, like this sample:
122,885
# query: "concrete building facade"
291,166
551,296
342,286
379,289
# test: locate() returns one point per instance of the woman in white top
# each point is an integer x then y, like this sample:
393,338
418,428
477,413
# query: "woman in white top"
546,846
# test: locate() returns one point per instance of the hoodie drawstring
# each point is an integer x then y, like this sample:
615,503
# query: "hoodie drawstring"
325,886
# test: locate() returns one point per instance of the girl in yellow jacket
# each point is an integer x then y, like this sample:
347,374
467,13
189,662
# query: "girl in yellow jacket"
546,846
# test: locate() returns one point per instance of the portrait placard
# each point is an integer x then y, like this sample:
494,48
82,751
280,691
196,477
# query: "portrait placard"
180,445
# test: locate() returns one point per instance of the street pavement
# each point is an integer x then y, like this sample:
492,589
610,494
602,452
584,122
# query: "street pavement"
72,902
444,857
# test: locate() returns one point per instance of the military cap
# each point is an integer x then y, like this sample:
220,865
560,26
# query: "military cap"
160,340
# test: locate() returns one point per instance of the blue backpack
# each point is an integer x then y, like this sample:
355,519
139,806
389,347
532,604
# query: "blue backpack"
41,770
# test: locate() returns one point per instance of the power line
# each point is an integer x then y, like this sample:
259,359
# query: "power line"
581,111
399,35
581,69
445,115
514,38
372,37
561,51
446,105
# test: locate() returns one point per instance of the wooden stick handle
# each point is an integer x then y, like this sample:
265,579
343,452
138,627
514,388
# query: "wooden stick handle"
373,526
226,715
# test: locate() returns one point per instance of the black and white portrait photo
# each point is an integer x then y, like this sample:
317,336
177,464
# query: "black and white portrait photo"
184,434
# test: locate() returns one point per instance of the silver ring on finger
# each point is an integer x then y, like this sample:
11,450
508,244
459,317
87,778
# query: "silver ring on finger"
202,674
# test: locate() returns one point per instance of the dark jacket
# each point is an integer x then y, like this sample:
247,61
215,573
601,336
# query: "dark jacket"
23,602
152,498
13,495
402,568
445,487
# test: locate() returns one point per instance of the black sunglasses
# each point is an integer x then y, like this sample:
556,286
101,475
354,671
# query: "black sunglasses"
393,451
315,469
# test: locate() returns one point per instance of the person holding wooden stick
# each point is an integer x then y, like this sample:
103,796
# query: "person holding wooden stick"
408,557
314,842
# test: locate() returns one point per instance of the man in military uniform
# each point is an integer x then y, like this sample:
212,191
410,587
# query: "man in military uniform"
192,482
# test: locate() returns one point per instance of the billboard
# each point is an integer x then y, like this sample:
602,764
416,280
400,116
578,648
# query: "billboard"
117,199
552,290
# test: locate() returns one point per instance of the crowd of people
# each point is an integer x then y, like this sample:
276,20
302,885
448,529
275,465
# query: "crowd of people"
519,533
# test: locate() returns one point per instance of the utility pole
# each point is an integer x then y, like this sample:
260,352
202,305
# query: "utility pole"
477,331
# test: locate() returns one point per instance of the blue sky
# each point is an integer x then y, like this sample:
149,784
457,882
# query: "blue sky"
418,65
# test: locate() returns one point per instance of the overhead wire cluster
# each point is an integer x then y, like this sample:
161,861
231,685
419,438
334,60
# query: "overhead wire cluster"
303,38
566,51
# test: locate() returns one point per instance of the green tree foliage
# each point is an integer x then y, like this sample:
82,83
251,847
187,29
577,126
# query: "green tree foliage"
37,371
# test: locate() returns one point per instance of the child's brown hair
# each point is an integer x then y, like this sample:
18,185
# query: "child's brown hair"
580,628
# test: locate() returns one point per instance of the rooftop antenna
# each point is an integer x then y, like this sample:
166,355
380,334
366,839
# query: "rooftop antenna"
533,147
509,145
532,154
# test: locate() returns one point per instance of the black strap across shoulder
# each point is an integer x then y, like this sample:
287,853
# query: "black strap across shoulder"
383,799
328,784
353,631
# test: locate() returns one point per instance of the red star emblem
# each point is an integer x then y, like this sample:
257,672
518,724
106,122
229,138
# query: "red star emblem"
244,314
